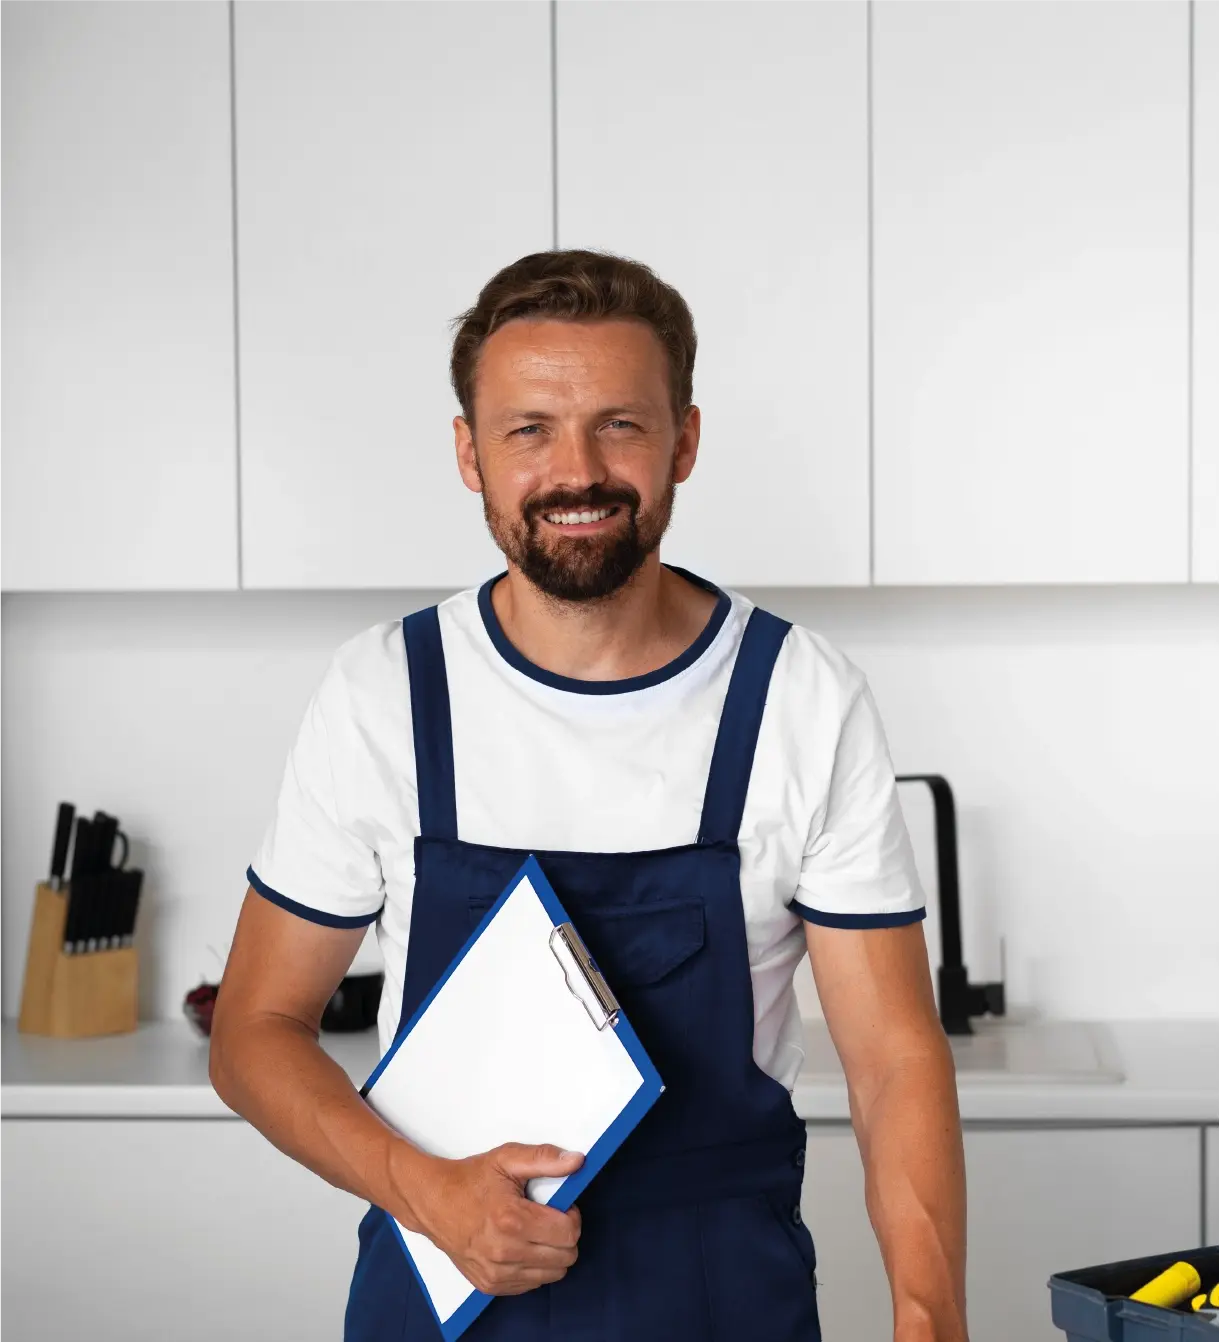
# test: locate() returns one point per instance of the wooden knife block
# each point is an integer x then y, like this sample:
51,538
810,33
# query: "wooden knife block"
73,996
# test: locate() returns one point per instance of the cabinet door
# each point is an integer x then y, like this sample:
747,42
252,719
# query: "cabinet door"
143,1230
1211,1175
1205,390
390,159
1030,188
853,1293
726,147
1040,1201
119,405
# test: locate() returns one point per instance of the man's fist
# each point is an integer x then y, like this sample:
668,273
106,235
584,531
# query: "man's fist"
477,1211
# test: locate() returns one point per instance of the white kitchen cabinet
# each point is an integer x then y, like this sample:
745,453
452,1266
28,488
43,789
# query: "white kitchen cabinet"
1030,269
726,147
138,1231
1211,1176
390,159
1040,1201
120,468
1205,390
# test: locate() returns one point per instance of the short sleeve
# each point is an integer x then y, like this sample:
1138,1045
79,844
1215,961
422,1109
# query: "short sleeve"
311,860
858,868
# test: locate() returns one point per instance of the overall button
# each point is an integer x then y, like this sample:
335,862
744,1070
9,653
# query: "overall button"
796,1215
799,1159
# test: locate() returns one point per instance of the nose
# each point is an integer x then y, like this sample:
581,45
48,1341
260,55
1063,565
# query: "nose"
576,460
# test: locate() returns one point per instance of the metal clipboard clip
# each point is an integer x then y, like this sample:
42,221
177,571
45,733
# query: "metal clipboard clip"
598,1000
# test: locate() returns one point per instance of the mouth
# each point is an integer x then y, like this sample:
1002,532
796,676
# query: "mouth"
581,521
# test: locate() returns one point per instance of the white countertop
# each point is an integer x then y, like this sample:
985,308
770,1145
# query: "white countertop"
1055,1072
1008,1072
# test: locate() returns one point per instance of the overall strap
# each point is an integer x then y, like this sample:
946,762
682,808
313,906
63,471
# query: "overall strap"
733,755
431,725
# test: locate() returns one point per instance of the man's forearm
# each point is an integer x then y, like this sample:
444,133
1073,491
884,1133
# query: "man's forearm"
274,1073
915,1189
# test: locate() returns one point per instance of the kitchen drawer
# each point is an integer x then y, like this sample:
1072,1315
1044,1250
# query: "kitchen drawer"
193,1230
1040,1200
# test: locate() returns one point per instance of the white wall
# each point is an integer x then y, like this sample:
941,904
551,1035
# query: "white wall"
1077,726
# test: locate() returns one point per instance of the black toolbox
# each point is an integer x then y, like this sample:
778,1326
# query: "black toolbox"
1091,1304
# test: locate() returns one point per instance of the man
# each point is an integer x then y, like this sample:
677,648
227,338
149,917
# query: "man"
709,782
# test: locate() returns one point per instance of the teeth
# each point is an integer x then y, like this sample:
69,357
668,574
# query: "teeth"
574,519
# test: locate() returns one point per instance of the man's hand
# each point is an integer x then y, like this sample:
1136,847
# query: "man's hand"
477,1211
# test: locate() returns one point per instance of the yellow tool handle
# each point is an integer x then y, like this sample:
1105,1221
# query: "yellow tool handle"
1173,1287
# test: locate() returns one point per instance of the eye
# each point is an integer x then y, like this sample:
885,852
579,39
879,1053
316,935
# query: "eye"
627,422
525,427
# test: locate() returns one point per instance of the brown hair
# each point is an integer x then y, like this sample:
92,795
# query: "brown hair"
576,286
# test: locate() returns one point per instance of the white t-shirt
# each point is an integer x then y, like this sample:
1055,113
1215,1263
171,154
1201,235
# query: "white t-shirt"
547,762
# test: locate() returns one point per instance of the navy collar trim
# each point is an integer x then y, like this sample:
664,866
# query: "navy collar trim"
576,686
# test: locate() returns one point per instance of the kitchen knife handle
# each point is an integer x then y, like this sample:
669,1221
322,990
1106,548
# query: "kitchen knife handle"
105,892
69,944
63,837
107,826
78,911
136,883
122,908
79,901
90,907
131,882
82,849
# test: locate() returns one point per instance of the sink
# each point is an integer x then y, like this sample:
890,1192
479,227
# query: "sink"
1005,1052
1072,1052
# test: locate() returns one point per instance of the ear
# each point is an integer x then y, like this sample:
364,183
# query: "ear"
468,463
687,447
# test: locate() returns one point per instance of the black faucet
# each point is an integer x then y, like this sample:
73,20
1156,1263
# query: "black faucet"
959,998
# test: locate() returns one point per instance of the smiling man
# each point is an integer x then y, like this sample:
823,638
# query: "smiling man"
702,777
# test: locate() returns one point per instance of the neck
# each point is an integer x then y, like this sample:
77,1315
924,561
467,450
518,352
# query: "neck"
648,622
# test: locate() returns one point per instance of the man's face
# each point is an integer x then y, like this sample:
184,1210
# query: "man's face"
575,450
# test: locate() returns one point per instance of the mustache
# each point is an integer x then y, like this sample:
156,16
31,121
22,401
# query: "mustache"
596,496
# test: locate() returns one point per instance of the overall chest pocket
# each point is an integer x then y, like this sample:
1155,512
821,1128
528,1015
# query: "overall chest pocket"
649,955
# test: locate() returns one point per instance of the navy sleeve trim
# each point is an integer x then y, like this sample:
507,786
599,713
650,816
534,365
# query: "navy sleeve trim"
858,919
304,911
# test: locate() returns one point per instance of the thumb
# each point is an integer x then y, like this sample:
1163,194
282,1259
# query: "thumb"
522,1162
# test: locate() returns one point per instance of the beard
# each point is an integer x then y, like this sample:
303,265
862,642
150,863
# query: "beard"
581,568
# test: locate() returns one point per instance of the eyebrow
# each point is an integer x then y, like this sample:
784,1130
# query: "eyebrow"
627,409
636,409
514,413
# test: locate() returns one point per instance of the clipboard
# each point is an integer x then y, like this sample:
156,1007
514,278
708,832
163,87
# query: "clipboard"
521,1039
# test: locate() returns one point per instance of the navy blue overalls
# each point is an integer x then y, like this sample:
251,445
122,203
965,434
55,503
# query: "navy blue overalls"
693,1231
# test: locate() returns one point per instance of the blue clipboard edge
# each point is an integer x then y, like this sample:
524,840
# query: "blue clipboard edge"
646,1094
